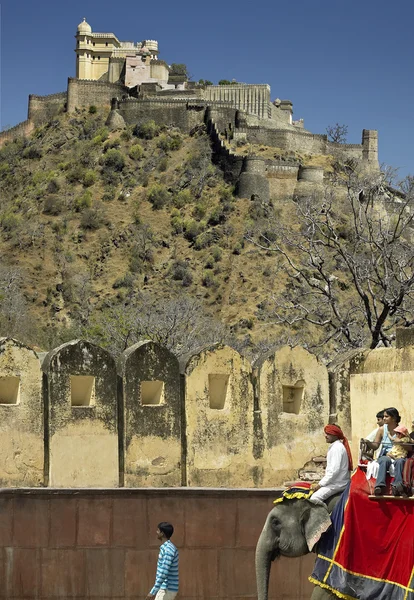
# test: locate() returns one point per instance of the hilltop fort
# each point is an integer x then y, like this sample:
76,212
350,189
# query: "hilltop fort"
136,86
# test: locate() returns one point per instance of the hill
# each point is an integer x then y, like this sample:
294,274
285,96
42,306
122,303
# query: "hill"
117,235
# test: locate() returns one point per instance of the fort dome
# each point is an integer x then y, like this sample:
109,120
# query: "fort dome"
84,27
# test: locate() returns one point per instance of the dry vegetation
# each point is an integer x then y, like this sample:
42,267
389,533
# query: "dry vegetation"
91,221
127,235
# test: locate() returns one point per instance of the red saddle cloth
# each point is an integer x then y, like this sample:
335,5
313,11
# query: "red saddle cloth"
369,550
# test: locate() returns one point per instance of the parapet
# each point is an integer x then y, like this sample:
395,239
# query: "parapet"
82,416
151,408
21,416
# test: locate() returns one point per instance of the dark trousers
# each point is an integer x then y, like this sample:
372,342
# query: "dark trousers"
384,464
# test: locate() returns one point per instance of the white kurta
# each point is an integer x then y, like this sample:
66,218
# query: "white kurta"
337,474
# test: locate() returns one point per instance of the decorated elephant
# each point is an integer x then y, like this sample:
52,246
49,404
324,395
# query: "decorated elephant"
292,529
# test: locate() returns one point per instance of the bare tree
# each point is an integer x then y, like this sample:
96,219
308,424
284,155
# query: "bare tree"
179,324
337,133
349,260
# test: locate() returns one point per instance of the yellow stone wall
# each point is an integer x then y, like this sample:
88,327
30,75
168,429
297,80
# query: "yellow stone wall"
82,416
152,415
219,419
294,407
221,423
21,416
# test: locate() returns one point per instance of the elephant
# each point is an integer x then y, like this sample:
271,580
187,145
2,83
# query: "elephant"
291,529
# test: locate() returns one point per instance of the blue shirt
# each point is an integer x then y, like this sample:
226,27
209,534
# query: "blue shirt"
167,569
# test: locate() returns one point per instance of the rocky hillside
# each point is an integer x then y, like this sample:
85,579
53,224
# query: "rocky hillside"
117,235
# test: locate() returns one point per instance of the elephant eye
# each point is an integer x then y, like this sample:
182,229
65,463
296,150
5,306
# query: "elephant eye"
276,525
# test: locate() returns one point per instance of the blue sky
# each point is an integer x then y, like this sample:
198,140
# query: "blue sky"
348,62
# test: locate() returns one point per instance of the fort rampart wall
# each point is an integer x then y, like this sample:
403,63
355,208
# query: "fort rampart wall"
22,129
44,108
82,419
253,99
84,544
83,93
173,111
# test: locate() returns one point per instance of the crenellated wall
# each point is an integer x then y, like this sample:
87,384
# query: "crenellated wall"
22,129
220,422
44,108
253,99
84,93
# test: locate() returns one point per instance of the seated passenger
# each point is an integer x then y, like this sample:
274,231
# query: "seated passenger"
338,466
386,436
370,453
402,437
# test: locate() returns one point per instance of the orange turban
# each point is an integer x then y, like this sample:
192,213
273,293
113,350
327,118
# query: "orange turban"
337,431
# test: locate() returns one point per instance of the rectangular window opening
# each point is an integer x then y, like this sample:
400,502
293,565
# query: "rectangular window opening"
10,390
292,397
218,386
152,393
82,390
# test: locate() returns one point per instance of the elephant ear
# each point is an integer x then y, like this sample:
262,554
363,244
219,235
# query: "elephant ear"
315,521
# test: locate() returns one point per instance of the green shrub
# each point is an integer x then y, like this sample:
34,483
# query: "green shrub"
209,264
92,109
180,271
183,198
177,225
199,211
52,205
147,130
9,221
114,160
109,194
136,152
91,219
75,173
163,164
143,178
127,280
53,186
32,152
83,201
208,280
89,178
204,240
159,196
169,142
217,216
115,143
192,229
216,253
126,135
101,135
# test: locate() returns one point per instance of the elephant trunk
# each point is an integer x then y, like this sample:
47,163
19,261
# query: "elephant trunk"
264,557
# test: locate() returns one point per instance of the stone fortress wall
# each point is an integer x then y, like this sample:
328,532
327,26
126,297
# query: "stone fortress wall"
78,418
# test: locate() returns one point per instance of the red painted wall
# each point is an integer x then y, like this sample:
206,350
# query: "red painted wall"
61,544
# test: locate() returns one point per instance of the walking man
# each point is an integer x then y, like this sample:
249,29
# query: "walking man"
166,579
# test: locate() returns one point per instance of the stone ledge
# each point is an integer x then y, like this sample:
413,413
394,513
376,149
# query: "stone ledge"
165,491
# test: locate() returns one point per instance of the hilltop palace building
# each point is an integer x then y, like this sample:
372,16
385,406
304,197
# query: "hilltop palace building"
102,57
135,85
